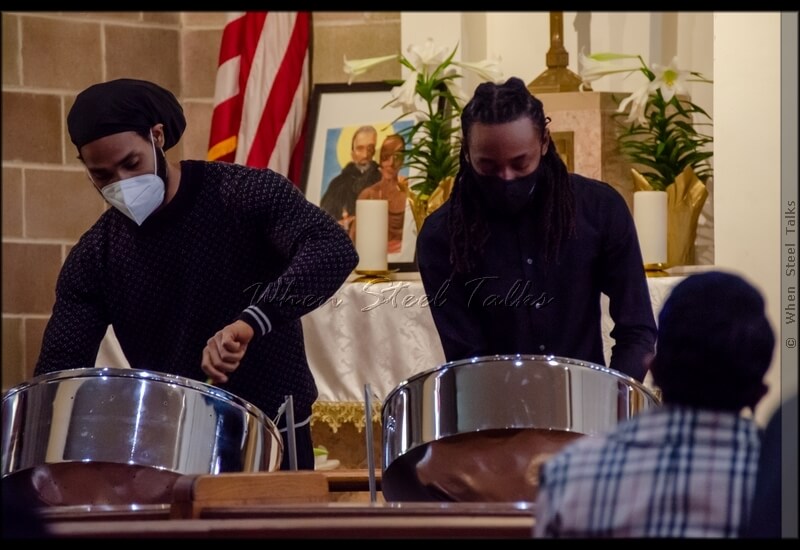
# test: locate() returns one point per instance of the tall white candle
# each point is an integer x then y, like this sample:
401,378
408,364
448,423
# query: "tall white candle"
372,234
650,218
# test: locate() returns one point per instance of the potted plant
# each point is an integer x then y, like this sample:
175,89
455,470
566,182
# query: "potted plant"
659,136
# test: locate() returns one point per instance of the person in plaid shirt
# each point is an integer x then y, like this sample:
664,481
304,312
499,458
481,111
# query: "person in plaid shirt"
688,468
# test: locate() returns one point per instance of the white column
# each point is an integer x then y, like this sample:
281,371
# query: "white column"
747,163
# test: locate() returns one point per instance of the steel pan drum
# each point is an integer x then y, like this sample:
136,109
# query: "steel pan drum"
101,436
478,429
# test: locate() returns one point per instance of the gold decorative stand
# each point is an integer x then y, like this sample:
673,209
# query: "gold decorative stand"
557,77
367,276
685,199
656,270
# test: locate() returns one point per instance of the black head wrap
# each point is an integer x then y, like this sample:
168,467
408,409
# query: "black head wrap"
124,105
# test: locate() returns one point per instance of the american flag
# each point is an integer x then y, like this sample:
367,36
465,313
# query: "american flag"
262,90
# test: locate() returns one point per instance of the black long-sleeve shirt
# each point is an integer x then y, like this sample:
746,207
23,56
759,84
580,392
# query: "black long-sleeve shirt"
511,304
234,242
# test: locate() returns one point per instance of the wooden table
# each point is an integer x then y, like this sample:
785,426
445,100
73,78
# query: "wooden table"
290,505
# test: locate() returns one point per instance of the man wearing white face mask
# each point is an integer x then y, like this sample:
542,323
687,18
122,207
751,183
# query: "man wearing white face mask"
139,196
203,268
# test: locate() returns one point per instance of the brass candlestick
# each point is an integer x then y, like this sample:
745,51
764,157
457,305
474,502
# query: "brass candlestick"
373,275
557,77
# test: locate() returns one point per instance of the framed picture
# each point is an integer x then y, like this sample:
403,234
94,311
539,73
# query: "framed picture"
347,128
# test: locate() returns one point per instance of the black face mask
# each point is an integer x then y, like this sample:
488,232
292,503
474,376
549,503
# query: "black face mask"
506,196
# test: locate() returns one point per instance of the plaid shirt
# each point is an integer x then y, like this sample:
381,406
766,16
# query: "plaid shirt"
667,472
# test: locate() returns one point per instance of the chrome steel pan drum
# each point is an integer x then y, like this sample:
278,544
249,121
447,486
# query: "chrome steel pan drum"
478,429
122,436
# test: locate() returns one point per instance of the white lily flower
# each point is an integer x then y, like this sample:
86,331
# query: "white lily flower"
651,136
488,69
593,67
638,102
356,67
670,79
454,86
590,69
405,95
428,57
422,115
458,92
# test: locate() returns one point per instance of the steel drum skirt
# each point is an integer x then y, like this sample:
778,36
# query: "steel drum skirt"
134,429
544,400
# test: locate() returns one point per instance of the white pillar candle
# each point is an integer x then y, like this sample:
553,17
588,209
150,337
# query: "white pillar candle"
372,234
650,218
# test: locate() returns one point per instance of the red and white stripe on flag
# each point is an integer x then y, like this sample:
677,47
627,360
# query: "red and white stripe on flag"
262,91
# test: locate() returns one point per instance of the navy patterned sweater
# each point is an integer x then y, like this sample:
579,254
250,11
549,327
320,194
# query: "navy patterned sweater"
235,242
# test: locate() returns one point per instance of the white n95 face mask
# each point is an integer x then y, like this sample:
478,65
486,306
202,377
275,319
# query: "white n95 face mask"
139,196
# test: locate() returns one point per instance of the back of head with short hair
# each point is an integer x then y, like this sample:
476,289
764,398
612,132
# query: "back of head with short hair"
715,343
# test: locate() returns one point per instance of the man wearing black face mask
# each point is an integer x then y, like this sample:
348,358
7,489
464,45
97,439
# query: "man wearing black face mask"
516,260
506,196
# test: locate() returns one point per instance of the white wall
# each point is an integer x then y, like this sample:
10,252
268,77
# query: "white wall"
522,40
443,26
695,48
747,160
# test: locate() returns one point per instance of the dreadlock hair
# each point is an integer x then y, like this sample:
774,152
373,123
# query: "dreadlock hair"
555,203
